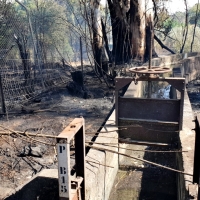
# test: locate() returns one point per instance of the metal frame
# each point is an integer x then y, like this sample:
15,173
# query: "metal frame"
196,169
148,112
69,186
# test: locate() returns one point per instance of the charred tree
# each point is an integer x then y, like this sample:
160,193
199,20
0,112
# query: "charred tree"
195,25
131,33
24,57
100,53
185,30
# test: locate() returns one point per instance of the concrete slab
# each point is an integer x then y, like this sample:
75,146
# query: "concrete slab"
43,186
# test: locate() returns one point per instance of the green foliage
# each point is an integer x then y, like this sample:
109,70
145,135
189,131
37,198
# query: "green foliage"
48,20
192,14
6,30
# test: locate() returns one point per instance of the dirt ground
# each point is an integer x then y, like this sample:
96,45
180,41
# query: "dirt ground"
21,157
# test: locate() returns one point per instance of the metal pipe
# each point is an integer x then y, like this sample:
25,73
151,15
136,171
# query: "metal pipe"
150,59
81,52
3,106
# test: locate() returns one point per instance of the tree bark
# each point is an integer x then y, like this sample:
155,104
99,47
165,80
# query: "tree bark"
24,57
120,17
100,53
130,21
195,24
185,31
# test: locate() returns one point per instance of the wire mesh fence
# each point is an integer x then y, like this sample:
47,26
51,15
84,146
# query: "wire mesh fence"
21,85
35,53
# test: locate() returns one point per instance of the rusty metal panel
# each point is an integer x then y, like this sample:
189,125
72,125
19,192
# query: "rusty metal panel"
149,109
196,170
149,131
178,82
153,120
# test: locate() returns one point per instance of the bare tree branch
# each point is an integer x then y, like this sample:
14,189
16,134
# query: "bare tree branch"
162,45
195,24
185,32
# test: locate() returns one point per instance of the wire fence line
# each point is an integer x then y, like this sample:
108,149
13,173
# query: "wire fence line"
22,79
18,89
28,66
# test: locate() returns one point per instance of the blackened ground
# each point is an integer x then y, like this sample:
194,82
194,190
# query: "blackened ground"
49,114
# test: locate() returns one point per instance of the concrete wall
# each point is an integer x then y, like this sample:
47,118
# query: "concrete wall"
185,159
99,177
190,69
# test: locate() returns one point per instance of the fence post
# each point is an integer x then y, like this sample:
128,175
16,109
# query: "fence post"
3,106
81,52
70,187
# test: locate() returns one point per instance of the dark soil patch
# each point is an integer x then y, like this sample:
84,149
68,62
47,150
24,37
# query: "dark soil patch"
48,114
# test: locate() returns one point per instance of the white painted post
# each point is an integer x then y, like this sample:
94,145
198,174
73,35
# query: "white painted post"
67,191
64,177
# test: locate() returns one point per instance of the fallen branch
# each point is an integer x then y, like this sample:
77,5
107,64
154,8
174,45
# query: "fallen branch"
89,133
146,161
27,135
99,163
153,151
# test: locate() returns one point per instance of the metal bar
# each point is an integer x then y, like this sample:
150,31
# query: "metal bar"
196,169
116,104
143,142
176,82
68,186
81,52
3,106
150,59
150,44
181,109
80,157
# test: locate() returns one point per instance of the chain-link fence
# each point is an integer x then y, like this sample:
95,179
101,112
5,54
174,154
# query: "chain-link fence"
35,52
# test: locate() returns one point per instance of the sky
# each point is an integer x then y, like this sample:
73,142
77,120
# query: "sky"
178,5
174,5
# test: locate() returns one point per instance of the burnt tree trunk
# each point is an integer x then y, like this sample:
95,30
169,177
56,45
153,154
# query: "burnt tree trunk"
100,53
120,31
24,57
130,29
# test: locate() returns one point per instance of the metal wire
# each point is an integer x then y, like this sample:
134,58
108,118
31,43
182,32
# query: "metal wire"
20,83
